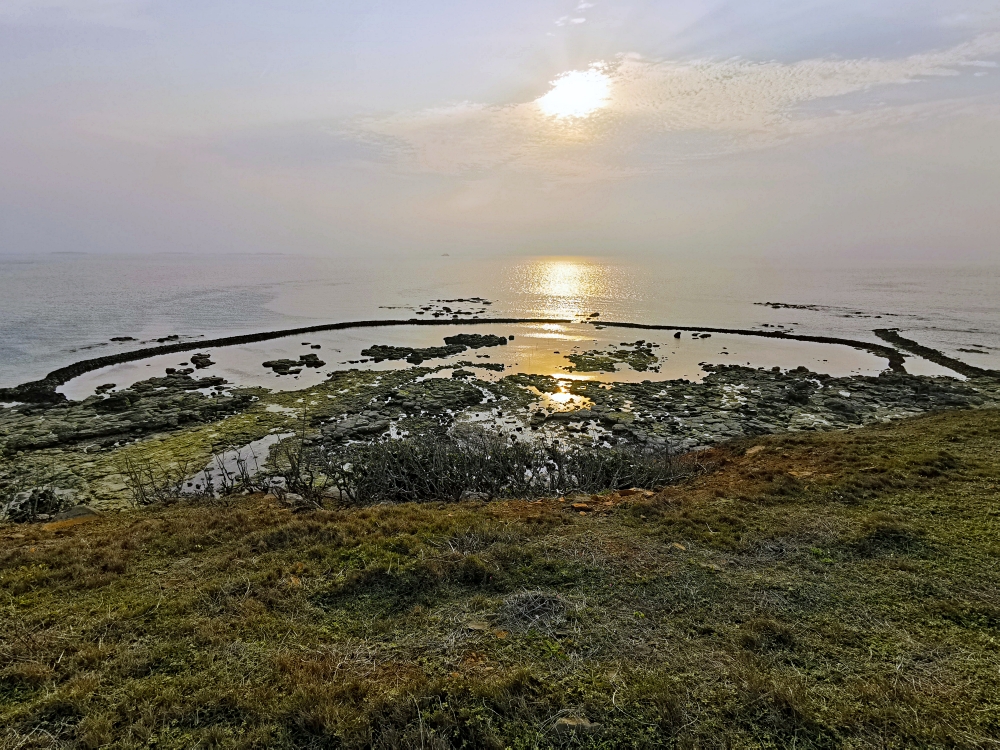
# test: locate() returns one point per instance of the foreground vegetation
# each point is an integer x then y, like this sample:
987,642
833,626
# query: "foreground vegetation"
820,590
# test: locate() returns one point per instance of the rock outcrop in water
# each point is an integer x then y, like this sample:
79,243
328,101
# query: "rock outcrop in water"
475,340
292,366
415,356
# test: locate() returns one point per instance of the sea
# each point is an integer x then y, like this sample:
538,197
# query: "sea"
62,307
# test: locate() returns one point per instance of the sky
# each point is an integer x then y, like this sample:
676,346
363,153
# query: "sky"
825,131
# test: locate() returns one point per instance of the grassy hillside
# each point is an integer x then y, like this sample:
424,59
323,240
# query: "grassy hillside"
821,590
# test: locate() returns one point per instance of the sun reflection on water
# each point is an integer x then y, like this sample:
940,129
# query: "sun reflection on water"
569,287
565,279
561,396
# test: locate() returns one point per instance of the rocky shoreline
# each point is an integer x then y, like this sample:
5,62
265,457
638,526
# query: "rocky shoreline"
731,402
179,422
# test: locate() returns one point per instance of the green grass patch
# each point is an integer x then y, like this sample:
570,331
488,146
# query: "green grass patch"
822,590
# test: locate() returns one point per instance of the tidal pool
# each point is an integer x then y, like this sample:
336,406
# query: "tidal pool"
536,348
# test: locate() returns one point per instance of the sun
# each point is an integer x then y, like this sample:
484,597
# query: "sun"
576,93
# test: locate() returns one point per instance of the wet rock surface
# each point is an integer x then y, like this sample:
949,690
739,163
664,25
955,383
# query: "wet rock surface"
638,355
201,361
475,340
413,355
731,402
292,366
416,355
114,417
449,308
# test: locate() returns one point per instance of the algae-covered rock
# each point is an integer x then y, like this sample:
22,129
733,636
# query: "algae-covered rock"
475,340
414,356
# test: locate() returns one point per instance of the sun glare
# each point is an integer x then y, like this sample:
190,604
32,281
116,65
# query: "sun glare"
564,279
578,93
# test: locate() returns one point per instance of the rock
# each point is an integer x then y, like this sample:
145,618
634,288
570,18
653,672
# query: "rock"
311,360
117,402
285,366
475,340
201,361
412,355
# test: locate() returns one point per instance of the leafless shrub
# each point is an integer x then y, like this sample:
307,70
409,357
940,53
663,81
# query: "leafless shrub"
236,476
149,481
485,465
299,469
33,504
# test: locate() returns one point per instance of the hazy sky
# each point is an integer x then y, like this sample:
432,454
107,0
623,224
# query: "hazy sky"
855,129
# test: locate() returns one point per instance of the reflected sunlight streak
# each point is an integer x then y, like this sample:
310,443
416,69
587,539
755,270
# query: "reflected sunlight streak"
565,279
565,287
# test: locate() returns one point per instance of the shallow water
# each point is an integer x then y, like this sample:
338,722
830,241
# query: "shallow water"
57,309
536,348
226,468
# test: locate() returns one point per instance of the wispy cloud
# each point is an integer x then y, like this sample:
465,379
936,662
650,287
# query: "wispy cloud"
663,111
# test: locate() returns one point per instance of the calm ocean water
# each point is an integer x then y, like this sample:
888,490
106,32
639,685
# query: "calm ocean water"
55,309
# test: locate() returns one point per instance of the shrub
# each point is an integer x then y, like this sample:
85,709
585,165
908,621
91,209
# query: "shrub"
486,466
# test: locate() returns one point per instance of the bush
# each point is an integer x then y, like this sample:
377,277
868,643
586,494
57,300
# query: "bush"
490,467
434,468
35,504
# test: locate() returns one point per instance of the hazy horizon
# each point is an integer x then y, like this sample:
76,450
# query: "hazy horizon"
814,132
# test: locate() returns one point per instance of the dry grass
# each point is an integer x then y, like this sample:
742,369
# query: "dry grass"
834,590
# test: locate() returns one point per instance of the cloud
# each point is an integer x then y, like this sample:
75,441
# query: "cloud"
120,13
660,112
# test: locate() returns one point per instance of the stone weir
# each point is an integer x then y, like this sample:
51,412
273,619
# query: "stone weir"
896,359
939,358
44,390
